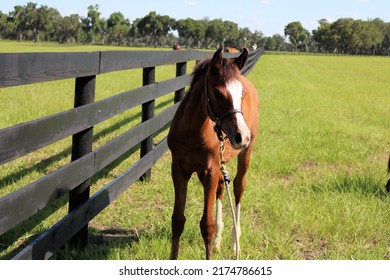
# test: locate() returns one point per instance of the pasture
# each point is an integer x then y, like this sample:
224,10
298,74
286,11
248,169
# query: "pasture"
315,187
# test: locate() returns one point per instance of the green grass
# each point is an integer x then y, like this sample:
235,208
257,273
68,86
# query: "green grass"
15,46
315,188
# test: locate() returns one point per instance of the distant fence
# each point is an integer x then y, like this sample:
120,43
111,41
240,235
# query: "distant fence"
75,177
321,54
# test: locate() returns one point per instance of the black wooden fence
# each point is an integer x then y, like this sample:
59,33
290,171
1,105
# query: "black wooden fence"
75,178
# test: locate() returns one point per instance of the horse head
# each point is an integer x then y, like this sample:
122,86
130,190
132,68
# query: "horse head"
225,95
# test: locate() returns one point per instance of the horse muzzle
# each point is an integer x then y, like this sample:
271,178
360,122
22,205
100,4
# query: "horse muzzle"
240,140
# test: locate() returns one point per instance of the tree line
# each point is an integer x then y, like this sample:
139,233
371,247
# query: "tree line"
43,23
345,36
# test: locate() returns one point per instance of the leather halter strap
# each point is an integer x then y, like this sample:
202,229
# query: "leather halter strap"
210,111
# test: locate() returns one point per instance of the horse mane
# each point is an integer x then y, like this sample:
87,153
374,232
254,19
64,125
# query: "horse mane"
227,71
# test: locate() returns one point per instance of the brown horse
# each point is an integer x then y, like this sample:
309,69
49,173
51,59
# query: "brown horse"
219,98
231,50
176,47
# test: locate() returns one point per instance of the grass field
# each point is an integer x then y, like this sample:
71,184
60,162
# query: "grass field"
315,188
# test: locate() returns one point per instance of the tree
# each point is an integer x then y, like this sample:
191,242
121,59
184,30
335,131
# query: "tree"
186,30
232,33
378,28
118,28
3,25
216,32
274,43
36,20
343,30
29,21
257,39
118,34
134,32
199,32
361,38
325,37
92,25
347,35
280,44
247,38
167,24
54,18
18,23
155,27
68,29
386,39
117,18
297,34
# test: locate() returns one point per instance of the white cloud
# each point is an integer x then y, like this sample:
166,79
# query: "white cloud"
190,3
265,2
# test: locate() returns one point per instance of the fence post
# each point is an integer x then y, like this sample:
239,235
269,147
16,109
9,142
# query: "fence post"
181,70
82,145
148,77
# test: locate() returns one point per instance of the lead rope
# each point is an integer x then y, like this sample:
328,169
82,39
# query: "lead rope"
227,181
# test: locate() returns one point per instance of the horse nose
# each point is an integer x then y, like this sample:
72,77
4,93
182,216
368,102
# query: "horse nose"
238,138
243,143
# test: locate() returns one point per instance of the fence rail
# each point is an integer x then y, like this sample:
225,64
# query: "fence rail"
74,178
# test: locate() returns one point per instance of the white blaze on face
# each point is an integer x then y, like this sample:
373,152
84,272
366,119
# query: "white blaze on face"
235,89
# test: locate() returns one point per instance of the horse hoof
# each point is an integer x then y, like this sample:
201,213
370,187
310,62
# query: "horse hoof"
217,244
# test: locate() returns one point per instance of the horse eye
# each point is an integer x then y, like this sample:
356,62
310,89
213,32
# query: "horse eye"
219,95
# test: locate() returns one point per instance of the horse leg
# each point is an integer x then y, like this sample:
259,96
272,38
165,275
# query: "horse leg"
180,181
239,187
218,217
207,224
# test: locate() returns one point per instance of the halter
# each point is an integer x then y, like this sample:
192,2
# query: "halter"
210,112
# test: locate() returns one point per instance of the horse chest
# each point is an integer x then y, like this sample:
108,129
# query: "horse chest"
195,155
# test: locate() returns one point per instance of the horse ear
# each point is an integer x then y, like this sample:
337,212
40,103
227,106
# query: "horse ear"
217,58
242,59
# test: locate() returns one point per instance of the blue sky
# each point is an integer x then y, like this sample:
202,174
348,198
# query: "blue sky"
268,16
